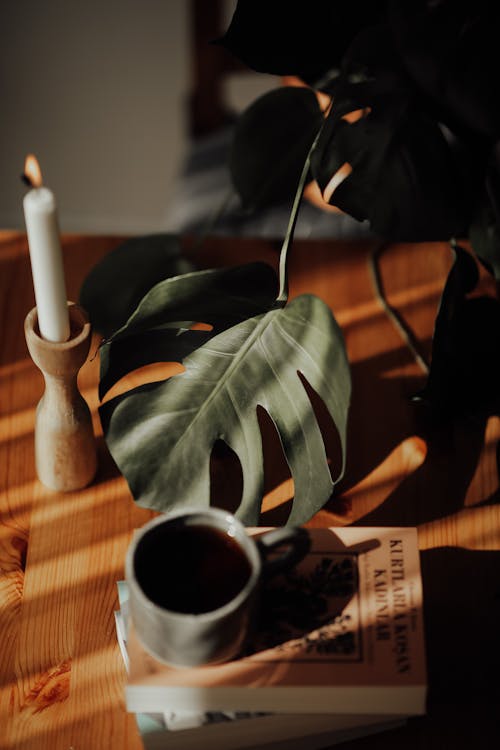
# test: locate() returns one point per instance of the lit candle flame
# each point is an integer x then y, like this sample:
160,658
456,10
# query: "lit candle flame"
32,171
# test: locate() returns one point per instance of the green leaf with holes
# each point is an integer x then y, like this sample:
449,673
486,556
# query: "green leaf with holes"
402,179
161,434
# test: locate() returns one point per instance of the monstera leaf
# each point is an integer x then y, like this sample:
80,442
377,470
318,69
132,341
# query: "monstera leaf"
450,49
154,332
402,177
303,39
114,287
270,145
161,434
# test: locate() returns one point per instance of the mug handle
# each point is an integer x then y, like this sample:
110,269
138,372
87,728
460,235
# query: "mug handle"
297,542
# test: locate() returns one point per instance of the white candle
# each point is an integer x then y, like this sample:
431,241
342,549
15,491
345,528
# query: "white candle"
40,214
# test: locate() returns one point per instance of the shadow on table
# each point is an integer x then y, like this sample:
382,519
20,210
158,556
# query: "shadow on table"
462,625
438,487
382,416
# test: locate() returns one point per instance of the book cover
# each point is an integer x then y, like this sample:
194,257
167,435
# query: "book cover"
342,633
183,730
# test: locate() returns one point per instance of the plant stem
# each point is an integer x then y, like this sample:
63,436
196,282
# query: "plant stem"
282,297
403,328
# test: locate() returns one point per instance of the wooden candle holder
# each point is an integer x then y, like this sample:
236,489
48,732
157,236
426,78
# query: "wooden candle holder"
65,454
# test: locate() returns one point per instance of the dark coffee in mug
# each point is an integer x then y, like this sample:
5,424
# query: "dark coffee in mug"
194,578
190,569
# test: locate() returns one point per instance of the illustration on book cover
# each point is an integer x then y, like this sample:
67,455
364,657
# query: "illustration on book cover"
340,604
313,609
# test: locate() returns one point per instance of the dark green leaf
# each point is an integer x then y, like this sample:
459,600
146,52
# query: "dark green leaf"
303,39
161,435
220,297
465,366
271,142
450,49
114,287
118,358
462,279
403,179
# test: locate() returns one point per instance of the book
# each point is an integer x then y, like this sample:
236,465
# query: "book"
186,729
340,634
274,732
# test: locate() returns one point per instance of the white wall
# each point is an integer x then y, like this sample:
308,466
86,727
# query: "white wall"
97,90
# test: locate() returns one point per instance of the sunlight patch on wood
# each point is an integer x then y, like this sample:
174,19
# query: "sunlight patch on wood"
374,489
17,424
20,423
486,479
74,563
279,495
420,294
95,689
147,374
471,528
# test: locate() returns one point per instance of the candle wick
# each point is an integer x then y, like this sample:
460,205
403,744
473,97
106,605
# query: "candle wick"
26,180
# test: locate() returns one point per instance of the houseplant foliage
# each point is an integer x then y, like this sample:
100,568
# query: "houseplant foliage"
418,75
161,435
408,143
256,352
413,127
130,270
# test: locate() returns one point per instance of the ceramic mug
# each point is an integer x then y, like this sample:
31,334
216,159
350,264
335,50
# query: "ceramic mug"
194,578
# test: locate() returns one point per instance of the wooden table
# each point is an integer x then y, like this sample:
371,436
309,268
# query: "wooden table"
61,673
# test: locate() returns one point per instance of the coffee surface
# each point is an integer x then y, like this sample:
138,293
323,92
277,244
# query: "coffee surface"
190,569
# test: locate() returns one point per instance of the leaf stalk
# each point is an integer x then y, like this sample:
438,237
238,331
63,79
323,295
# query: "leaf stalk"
282,297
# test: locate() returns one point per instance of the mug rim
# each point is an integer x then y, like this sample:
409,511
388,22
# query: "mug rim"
210,514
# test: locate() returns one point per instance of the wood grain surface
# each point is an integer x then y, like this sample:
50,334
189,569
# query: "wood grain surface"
61,673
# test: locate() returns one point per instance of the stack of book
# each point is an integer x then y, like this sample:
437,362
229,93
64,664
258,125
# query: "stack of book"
338,653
